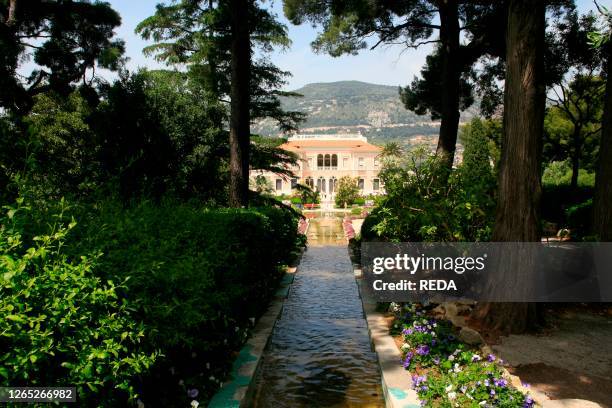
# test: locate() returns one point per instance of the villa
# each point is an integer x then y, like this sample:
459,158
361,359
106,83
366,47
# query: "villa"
324,159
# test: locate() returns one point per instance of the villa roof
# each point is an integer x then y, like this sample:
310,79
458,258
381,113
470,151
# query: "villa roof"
354,145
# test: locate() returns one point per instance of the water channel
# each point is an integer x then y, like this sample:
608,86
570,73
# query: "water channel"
320,353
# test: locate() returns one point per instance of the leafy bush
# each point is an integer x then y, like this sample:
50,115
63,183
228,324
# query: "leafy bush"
559,173
451,374
421,206
198,279
348,191
63,325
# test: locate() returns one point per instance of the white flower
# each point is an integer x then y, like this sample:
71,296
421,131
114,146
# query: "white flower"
208,366
451,358
140,404
211,378
449,388
482,403
405,346
456,368
194,404
181,382
451,395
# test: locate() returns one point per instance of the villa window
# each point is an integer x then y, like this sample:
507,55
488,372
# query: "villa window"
279,184
321,184
310,162
345,163
320,161
294,182
361,162
376,184
327,161
333,183
361,183
310,182
334,161
376,162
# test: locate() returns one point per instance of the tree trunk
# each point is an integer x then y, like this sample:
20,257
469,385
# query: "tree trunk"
602,205
518,205
576,155
12,13
450,81
240,118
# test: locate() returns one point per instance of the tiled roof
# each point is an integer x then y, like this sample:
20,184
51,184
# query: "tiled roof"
355,145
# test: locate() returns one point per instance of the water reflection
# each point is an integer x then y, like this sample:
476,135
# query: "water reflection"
326,231
320,353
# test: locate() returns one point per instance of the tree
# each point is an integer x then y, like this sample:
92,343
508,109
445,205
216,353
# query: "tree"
240,115
216,41
67,41
576,94
602,210
348,191
476,167
573,123
348,24
517,213
392,149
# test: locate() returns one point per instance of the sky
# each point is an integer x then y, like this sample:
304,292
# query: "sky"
393,65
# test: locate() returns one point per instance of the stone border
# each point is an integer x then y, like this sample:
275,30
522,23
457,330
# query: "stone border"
396,383
238,390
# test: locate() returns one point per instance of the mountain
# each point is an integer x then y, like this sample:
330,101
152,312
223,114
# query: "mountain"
352,106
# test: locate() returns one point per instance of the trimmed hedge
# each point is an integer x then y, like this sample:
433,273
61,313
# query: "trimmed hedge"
198,279
166,296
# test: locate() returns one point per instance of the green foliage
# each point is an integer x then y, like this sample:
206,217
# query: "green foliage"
559,173
197,34
64,40
418,207
198,279
63,324
348,191
476,168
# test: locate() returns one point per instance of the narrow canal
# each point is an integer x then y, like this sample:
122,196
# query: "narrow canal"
320,354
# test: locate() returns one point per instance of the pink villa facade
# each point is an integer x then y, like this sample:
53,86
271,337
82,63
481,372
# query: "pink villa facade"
324,159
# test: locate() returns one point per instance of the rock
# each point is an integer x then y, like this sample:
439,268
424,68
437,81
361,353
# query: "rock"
570,403
470,336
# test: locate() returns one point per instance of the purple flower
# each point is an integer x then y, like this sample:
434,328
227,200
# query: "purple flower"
418,380
436,360
193,392
422,350
486,382
500,382
492,392
490,358
408,331
433,342
528,402
408,359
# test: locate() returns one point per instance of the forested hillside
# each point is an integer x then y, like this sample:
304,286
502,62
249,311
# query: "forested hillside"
374,110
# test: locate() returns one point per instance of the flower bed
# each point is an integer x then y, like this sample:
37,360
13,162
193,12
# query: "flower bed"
447,372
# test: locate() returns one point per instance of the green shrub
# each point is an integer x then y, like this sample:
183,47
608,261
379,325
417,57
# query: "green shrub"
62,325
348,191
198,279
421,206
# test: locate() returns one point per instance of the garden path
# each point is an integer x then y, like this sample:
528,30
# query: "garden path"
319,354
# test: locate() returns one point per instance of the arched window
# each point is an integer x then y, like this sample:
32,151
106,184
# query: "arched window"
310,182
320,161
333,183
321,184
334,161
327,161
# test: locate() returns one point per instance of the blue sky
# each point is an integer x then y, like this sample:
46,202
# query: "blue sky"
388,65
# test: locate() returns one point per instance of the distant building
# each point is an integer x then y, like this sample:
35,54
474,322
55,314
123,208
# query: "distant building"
324,159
